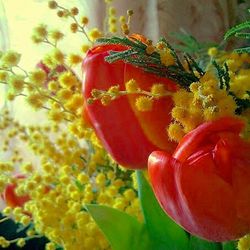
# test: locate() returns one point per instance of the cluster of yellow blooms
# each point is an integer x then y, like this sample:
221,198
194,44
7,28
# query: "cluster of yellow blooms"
206,101
70,168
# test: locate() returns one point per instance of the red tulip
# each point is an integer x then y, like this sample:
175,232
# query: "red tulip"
205,185
10,196
126,133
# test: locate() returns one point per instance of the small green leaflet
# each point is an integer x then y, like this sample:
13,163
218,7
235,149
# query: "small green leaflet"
164,233
123,231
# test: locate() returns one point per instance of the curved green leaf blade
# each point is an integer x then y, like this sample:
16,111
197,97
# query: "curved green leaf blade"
200,244
163,232
122,230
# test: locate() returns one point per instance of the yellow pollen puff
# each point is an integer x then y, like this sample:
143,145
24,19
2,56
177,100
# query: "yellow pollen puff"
37,77
58,56
124,26
144,103
3,76
64,94
212,51
35,100
10,58
25,220
100,179
130,12
210,113
160,46
56,115
40,31
182,98
129,194
7,211
112,20
53,86
84,20
150,49
74,27
83,178
114,90
56,35
166,57
179,113
122,19
85,48
175,132
158,90
17,82
105,100
50,246
94,34
21,242
67,80
74,59
113,28
74,11
52,4
131,86
112,11
27,168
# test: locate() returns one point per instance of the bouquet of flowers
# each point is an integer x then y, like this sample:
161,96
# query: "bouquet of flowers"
147,148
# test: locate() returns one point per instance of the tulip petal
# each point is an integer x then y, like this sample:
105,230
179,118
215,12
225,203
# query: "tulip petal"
200,135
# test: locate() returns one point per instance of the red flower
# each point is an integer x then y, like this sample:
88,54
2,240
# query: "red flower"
10,196
205,185
127,134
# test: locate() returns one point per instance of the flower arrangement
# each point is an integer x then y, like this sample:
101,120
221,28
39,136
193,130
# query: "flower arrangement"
149,149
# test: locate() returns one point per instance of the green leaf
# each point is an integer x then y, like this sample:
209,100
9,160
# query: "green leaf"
236,29
242,50
164,233
200,244
122,230
232,245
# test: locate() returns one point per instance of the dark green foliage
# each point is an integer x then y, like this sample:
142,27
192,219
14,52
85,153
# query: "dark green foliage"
10,230
136,55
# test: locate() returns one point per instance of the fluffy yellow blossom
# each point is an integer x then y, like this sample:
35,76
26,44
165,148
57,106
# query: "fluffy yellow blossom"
158,90
94,34
85,48
3,76
166,57
175,131
144,103
35,100
16,82
53,86
56,115
56,35
58,56
37,77
67,80
40,31
84,20
131,86
10,59
52,4
212,51
74,59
